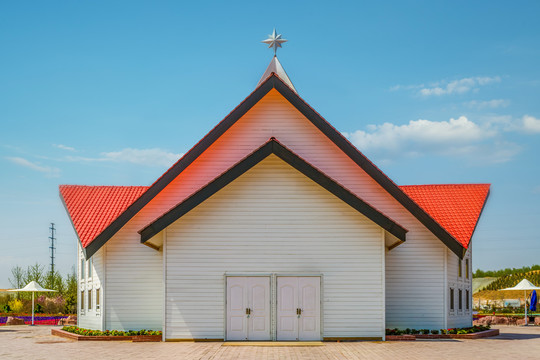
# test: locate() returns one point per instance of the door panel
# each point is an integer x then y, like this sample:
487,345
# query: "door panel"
236,308
309,302
259,303
287,303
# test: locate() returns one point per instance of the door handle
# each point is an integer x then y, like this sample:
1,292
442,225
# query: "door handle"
298,312
248,311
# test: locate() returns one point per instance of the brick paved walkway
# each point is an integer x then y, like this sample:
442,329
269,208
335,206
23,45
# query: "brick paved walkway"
25,342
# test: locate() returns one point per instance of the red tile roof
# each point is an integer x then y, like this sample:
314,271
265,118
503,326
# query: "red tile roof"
455,207
93,208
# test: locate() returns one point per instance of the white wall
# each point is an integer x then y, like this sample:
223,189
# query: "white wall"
134,288
463,317
273,219
90,318
415,284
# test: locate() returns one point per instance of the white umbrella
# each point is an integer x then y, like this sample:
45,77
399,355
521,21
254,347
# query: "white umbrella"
32,287
524,285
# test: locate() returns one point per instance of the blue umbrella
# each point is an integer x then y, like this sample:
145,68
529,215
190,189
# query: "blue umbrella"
534,300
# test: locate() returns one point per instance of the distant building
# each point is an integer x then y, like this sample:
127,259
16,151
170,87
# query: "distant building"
274,227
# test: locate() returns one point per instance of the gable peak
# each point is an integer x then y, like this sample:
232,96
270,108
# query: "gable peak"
275,68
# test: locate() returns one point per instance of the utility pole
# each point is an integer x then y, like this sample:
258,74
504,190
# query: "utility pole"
52,238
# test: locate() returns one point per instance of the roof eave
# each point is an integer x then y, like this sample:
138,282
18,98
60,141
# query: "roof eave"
276,148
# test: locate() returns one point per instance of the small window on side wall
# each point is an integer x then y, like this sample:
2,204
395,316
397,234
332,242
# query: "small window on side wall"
89,299
82,269
90,268
467,268
97,299
82,300
459,268
451,299
460,299
467,300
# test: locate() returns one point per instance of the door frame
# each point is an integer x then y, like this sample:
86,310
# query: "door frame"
273,297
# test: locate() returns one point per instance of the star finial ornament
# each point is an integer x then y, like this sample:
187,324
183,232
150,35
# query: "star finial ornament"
274,41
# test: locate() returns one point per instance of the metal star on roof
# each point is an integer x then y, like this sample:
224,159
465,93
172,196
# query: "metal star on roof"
274,41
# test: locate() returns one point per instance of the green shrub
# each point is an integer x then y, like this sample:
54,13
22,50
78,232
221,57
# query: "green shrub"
16,305
434,332
38,309
6,308
88,332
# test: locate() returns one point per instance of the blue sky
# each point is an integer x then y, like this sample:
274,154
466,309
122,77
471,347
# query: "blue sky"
114,92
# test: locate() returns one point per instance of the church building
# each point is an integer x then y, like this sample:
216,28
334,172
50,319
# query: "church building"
274,227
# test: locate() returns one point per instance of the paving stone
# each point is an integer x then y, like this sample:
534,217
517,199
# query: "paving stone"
27,342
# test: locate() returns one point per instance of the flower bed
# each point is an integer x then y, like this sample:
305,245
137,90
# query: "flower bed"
474,332
39,319
80,334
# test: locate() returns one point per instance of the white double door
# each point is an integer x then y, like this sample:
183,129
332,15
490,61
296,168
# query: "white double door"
298,308
248,308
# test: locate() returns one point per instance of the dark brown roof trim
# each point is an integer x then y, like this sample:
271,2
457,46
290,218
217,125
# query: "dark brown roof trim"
370,168
180,166
273,82
272,147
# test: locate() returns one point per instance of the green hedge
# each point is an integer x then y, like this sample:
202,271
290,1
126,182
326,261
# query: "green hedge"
467,330
87,332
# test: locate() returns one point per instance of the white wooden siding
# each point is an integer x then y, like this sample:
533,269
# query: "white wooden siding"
133,287
273,219
459,318
90,319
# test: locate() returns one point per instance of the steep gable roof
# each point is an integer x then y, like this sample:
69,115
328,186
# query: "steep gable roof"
276,148
274,82
93,208
456,207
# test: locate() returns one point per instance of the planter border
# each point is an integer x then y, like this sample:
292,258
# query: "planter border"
477,335
77,337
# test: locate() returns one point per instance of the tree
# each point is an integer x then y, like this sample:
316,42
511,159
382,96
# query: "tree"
54,281
34,273
18,277
17,281
71,292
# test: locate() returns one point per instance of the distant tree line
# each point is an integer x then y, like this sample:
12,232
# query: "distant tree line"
513,279
504,272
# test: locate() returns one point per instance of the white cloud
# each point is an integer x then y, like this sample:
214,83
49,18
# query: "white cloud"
406,87
489,104
531,124
445,87
149,157
64,147
47,170
455,137
458,86
146,157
